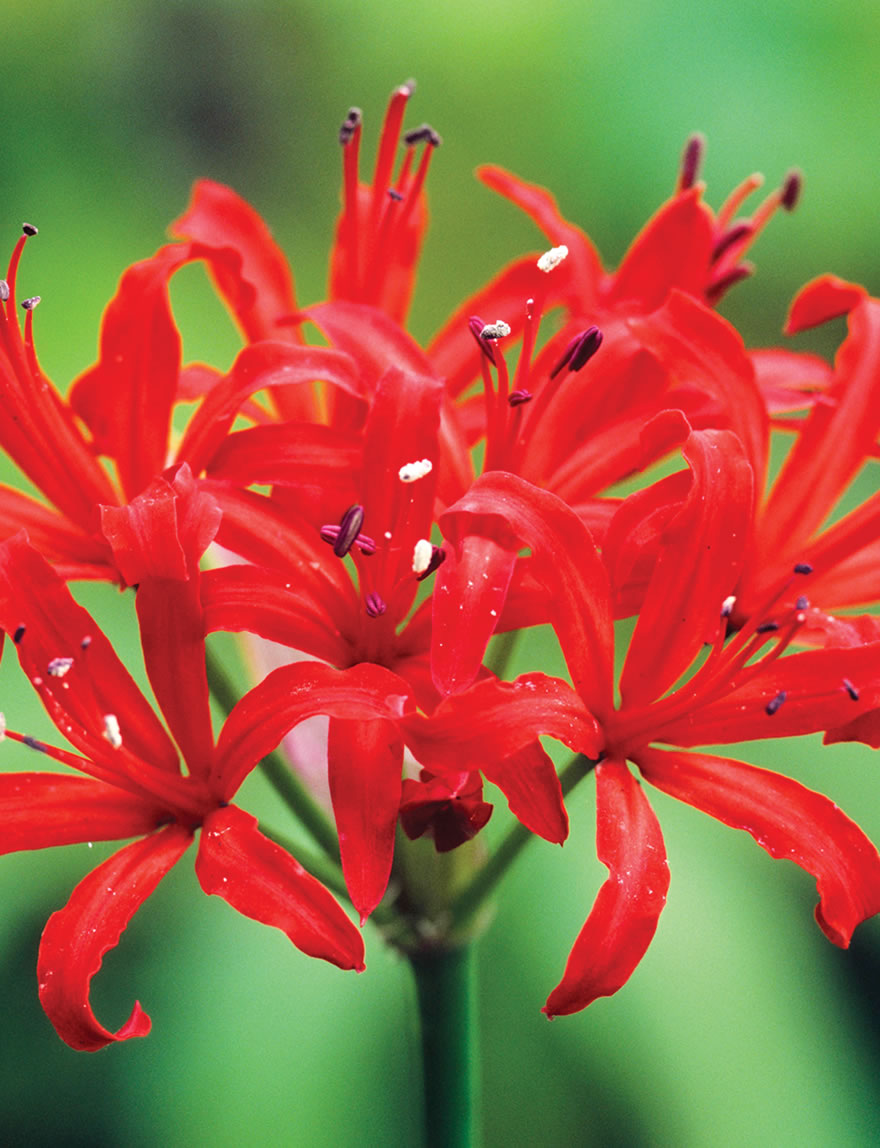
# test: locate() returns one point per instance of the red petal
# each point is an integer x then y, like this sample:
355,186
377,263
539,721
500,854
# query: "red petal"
288,696
157,541
624,918
262,881
673,250
247,266
365,760
40,810
789,380
77,937
820,300
127,397
564,559
706,539
32,595
74,553
786,819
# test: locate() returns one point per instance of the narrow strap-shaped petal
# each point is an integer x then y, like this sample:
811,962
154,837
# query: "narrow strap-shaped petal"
248,267
789,380
74,552
40,810
289,695
262,881
529,781
365,760
826,297
624,917
157,541
127,397
705,538
35,603
77,937
788,820
564,559
292,454
673,250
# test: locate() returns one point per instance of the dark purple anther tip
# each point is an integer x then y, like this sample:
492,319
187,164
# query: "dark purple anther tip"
791,190
32,743
395,195
851,689
424,133
803,568
773,705
802,603
29,304
519,398
729,238
766,627
350,125
476,326
4,290
579,351
349,529
375,605
19,633
438,557
29,229
691,158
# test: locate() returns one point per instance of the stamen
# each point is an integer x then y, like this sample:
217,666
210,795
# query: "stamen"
350,125
59,667
727,605
422,553
850,689
579,351
552,258
517,398
86,642
375,605
732,236
475,326
29,229
773,705
413,471
347,534
497,330
19,633
691,158
29,304
802,603
395,195
803,568
436,558
111,730
791,190
32,743
4,290
424,133
722,285
766,627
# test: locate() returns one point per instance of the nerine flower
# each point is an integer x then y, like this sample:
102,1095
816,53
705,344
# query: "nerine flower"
743,689
128,780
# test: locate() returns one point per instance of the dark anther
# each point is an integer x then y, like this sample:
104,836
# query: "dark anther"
579,351
802,603
29,229
349,529
475,326
766,627
29,304
723,284
438,557
86,642
773,705
4,290
691,159
19,633
375,605
803,568
851,689
395,195
517,398
32,743
791,190
732,235
424,133
350,125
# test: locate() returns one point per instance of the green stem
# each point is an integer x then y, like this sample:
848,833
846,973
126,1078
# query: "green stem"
446,990
276,770
484,880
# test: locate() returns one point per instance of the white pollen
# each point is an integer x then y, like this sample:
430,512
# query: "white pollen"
111,730
552,258
422,554
727,605
497,330
58,667
413,471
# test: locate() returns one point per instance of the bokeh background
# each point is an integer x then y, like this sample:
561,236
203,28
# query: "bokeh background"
743,1025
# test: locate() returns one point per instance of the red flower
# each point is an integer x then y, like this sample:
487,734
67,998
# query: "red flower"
133,784
731,697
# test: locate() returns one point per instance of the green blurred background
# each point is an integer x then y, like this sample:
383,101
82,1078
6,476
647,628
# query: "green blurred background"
743,1025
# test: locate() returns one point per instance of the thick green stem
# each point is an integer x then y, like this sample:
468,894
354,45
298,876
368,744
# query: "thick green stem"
276,770
446,991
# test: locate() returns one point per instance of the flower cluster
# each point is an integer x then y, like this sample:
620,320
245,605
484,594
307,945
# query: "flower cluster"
382,509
